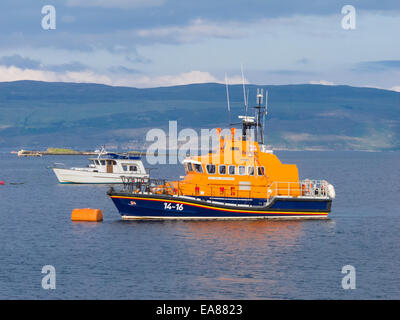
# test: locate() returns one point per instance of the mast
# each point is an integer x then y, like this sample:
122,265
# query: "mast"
227,99
256,122
244,91
259,127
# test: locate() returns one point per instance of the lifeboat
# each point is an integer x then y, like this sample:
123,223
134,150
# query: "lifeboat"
240,179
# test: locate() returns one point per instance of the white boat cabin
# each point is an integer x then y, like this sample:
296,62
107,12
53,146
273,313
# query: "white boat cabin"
114,163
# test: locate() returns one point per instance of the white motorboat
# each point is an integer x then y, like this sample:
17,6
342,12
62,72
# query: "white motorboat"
107,168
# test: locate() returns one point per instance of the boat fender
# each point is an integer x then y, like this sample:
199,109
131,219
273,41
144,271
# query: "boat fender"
87,214
331,191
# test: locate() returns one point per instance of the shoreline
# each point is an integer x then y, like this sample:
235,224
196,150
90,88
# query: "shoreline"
34,153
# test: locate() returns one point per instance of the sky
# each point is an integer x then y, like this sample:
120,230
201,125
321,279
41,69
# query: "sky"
150,43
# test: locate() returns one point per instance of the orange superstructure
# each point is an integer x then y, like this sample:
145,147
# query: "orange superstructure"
238,168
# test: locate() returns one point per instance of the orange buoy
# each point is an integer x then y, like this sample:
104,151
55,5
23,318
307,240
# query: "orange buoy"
87,214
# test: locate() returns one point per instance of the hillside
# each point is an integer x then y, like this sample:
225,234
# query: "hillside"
39,114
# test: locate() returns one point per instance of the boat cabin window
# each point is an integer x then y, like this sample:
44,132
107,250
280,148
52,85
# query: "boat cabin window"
103,162
125,167
250,171
198,168
242,170
211,168
232,169
186,167
222,169
261,171
91,161
97,162
189,166
133,168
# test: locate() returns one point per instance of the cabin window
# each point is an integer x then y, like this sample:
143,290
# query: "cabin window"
211,168
133,168
125,168
91,161
222,169
242,170
250,171
261,171
103,162
114,163
189,166
97,162
198,168
232,169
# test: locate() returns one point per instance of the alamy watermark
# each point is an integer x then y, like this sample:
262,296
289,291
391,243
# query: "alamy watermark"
49,20
349,19
49,280
349,280
172,147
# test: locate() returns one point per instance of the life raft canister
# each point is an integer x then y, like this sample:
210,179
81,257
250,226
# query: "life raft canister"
331,191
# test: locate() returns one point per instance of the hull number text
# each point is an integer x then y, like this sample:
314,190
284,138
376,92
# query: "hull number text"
170,206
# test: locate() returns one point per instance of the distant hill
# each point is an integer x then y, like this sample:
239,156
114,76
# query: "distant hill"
40,114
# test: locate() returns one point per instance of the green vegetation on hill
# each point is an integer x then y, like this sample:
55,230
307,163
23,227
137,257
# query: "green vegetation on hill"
35,114
60,150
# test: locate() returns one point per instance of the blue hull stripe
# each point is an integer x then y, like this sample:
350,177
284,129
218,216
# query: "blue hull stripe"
139,206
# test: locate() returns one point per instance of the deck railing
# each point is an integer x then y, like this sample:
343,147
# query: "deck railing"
303,188
309,188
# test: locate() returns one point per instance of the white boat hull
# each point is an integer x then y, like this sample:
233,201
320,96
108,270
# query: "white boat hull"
82,176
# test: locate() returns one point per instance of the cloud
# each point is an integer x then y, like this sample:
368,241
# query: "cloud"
115,3
395,88
14,74
124,77
23,63
197,29
322,82
122,69
71,66
291,72
68,19
20,62
303,61
168,80
377,66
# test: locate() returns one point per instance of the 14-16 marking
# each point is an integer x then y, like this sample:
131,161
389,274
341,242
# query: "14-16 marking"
169,206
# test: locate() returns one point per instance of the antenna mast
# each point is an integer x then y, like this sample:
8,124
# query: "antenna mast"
265,112
259,129
244,90
227,98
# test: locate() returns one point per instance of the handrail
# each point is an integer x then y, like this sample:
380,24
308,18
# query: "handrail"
307,187
303,188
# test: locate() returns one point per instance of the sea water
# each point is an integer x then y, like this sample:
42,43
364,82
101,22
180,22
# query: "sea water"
262,259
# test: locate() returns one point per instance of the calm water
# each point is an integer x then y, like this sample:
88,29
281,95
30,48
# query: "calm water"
189,260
